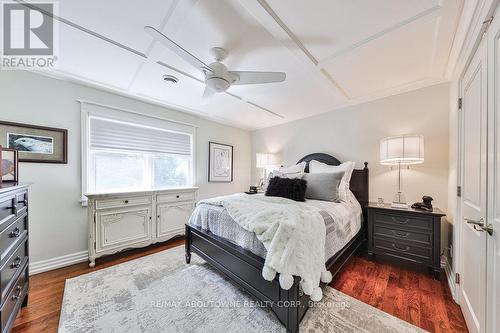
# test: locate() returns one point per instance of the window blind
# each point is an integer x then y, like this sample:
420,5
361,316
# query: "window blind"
110,134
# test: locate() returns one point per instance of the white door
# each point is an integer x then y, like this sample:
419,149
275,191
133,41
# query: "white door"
472,289
172,219
493,241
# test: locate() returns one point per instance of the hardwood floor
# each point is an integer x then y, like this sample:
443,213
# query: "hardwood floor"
411,296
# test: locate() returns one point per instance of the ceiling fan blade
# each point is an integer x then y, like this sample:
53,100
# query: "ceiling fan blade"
207,95
176,48
244,77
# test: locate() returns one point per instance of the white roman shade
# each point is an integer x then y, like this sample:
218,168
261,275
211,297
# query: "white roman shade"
405,149
112,134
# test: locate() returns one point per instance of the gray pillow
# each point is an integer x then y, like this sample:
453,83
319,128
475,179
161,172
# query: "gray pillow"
323,186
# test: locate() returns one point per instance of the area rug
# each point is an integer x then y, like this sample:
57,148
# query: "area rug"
160,293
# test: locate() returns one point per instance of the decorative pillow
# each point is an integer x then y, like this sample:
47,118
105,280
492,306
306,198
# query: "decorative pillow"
323,186
346,167
297,168
294,189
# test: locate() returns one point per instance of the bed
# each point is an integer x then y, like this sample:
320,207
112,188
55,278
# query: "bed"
236,253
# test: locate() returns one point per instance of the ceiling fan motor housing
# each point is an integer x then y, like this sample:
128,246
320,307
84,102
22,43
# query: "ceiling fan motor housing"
219,79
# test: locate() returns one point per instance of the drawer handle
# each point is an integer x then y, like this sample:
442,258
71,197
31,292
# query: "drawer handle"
405,221
15,233
177,196
17,294
16,263
405,249
15,209
400,234
125,201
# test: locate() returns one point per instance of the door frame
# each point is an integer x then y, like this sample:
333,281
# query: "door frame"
493,242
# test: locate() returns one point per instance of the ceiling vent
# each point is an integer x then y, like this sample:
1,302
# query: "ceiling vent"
170,79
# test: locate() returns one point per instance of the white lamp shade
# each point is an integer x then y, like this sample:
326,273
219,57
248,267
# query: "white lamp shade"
405,150
265,160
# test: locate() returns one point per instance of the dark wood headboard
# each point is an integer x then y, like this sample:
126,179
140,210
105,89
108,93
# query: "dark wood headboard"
359,179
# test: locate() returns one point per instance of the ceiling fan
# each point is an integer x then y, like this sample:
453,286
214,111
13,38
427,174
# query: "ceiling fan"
217,77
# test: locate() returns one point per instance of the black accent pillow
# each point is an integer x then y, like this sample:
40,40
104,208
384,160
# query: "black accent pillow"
290,188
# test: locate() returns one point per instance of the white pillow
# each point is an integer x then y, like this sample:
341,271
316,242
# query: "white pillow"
346,167
286,175
297,168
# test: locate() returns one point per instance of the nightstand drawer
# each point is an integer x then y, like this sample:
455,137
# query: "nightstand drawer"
403,235
409,251
423,223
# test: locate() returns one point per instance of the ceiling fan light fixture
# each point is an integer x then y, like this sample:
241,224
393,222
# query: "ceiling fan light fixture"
218,84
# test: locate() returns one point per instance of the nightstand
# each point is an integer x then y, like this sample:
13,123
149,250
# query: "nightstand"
406,236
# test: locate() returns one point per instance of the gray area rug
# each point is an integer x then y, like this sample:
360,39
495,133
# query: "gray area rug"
160,293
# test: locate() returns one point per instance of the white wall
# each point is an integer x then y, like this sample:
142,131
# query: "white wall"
353,134
58,224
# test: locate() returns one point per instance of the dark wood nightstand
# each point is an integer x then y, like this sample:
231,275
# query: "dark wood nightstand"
405,236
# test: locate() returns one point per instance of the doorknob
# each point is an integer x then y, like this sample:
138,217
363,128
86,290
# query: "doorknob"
479,225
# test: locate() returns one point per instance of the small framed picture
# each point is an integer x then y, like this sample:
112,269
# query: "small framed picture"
9,164
36,144
220,162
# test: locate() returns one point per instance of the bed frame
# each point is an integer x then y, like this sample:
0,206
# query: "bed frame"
245,268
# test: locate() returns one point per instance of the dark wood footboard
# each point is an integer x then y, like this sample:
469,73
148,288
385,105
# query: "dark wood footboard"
245,269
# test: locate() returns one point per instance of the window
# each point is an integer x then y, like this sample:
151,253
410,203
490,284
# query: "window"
135,154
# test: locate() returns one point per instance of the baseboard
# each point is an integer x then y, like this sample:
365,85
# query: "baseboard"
450,276
58,262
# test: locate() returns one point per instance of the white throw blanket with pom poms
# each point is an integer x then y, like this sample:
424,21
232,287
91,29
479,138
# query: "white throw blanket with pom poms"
293,234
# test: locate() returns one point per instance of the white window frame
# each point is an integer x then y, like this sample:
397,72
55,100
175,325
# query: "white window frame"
90,109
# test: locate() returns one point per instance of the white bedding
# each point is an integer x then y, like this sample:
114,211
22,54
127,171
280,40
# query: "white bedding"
342,222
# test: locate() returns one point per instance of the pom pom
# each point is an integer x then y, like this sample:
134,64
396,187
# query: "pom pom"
286,281
307,287
317,294
326,277
268,273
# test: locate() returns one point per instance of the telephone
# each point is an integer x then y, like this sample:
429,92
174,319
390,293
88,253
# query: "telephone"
425,205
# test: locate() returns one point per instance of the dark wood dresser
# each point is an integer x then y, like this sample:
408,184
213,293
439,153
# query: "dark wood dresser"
14,252
405,236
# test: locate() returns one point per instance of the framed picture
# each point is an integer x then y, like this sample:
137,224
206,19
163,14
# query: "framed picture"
220,162
35,144
9,167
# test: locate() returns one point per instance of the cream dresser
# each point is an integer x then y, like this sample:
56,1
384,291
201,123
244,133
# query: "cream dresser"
119,221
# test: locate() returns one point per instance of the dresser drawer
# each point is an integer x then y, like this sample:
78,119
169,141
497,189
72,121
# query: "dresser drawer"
423,223
123,202
14,300
12,266
176,197
403,235
7,214
406,250
10,237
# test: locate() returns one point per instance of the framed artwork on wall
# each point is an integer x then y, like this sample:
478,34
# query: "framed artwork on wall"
35,144
9,167
220,162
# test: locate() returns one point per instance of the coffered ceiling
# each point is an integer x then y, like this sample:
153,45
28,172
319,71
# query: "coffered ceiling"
334,52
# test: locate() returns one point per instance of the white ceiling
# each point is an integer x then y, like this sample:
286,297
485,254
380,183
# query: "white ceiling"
334,52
